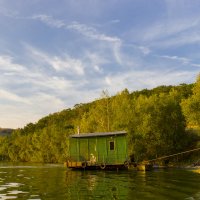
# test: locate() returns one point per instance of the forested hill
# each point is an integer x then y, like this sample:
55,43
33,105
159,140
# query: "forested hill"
155,120
70,119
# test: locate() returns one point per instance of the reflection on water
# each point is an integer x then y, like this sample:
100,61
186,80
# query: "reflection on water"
92,184
38,182
9,192
168,184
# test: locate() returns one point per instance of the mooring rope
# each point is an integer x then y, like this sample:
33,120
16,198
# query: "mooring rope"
176,154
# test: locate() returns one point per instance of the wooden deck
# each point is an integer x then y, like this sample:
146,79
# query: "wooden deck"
88,165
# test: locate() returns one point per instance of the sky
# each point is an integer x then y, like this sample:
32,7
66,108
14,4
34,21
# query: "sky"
55,54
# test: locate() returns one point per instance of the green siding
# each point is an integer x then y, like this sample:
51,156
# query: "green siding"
101,149
92,149
97,149
84,151
121,149
111,159
73,151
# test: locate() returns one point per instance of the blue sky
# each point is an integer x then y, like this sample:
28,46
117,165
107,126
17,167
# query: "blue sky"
55,54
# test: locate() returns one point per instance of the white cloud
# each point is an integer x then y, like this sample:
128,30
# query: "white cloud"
195,65
49,21
169,27
179,25
112,42
136,80
18,115
33,92
84,29
50,84
177,58
13,116
98,69
39,104
63,63
145,50
6,95
178,40
92,33
183,60
74,66
7,64
43,82
96,58
47,103
117,53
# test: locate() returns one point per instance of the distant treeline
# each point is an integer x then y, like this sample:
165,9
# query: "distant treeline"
160,121
5,131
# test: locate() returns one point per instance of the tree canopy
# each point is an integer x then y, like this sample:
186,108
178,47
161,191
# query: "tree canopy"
155,120
191,106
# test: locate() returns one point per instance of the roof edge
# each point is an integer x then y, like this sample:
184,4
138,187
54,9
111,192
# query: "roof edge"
98,134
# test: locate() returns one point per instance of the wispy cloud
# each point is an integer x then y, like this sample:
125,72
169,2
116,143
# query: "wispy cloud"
195,65
147,79
67,53
92,32
84,29
168,28
139,48
67,63
61,63
89,32
182,60
177,58
6,63
178,41
10,96
50,21
96,60
144,49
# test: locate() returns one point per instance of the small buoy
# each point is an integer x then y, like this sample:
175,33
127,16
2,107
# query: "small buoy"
103,166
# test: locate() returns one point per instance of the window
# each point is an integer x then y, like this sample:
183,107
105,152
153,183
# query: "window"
112,145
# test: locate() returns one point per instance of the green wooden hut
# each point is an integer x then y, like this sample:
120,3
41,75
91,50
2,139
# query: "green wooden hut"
98,150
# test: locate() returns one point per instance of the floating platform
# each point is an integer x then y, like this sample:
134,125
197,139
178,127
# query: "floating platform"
89,166
102,166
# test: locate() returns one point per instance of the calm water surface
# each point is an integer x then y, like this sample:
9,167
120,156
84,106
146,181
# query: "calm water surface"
56,182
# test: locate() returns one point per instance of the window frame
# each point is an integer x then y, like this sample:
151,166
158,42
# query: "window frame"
111,145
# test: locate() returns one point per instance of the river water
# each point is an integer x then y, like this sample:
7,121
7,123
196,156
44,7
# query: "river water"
38,182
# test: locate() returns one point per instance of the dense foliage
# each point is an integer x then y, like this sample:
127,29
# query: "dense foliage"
191,106
155,120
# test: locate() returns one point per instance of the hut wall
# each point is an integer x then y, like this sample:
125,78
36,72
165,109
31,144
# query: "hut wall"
109,150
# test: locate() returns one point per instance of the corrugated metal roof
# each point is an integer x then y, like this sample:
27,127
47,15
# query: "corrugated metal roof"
98,134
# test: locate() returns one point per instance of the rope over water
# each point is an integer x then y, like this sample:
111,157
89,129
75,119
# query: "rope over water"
172,155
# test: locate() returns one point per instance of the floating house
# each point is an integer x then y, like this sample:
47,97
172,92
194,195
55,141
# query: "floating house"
98,150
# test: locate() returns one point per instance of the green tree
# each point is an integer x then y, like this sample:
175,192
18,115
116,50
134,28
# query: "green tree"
191,106
121,111
158,126
154,122
99,116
